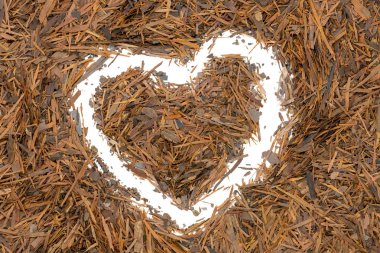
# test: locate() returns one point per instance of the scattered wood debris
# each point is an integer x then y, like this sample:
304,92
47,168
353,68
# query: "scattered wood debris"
322,196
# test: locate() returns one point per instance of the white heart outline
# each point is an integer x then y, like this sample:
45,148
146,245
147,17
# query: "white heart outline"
163,204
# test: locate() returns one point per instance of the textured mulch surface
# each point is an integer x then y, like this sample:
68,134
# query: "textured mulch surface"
323,196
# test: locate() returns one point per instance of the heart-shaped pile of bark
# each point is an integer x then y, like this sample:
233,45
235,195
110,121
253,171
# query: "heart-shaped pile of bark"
181,136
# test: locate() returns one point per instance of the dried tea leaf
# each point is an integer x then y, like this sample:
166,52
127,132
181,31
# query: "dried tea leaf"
46,10
151,113
139,237
170,136
254,114
360,9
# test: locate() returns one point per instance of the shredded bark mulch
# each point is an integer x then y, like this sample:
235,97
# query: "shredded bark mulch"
323,195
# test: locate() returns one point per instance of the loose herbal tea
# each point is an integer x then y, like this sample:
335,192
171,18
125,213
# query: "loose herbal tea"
322,196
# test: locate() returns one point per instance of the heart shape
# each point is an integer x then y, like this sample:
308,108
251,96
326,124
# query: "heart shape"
182,136
148,196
